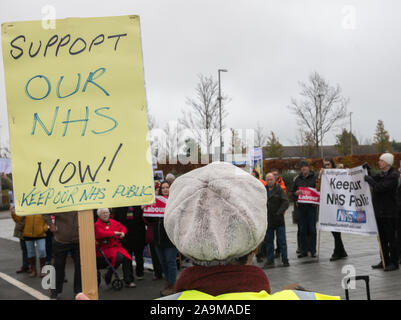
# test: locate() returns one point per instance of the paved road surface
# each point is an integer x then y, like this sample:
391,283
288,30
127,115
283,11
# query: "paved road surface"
318,275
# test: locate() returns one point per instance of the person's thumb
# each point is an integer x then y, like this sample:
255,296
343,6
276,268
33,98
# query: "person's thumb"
81,296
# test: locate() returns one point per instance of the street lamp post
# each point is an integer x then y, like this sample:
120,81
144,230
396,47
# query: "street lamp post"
321,125
350,131
219,98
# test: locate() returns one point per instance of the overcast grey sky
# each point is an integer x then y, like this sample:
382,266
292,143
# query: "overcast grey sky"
267,47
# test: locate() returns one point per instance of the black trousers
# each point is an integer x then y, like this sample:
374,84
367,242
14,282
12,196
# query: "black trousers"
399,233
25,262
157,267
120,259
137,251
307,228
387,227
338,245
262,250
49,246
298,232
60,252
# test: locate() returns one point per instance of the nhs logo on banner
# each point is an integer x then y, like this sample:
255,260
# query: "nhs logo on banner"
358,216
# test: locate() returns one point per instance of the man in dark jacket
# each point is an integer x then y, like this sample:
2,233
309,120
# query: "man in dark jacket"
64,227
134,241
277,203
384,189
399,214
306,211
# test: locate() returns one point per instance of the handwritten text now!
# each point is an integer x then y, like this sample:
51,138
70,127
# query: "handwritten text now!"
77,112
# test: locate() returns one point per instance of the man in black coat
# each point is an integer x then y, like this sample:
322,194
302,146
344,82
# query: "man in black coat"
306,212
399,213
277,203
64,226
384,189
134,241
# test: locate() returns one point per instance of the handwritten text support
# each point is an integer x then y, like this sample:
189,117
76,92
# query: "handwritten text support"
77,114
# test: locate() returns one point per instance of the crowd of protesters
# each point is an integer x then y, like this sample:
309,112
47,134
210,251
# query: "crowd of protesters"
386,198
122,233
220,228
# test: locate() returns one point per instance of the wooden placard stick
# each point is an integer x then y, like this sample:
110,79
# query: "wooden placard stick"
318,244
88,254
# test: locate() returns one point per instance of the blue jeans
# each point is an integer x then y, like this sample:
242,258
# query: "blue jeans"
307,227
40,244
281,241
168,261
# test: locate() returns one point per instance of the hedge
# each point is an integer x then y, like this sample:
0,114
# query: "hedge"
317,163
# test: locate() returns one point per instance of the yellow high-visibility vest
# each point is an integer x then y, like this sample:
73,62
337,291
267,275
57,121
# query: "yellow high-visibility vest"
262,295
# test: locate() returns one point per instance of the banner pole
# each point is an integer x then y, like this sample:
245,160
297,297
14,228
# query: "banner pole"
381,252
87,254
318,245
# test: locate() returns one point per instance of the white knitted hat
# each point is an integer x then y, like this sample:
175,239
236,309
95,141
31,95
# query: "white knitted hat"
216,213
387,158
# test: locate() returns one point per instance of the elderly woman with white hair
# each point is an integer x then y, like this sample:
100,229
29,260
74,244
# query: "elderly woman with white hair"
108,232
170,178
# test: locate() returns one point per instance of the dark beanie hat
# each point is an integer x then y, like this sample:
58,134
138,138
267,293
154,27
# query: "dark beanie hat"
304,163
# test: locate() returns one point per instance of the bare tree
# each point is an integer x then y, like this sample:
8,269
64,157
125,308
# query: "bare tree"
153,139
5,152
236,145
172,141
202,118
151,122
260,136
321,107
307,143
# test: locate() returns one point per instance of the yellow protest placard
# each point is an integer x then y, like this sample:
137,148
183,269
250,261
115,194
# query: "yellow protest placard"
77,114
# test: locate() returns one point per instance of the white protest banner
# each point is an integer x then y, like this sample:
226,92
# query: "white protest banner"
346,202
255,158
308,195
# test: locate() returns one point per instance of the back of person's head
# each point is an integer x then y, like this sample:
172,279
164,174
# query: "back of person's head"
170,178
216,215
256,174
331,160
303,163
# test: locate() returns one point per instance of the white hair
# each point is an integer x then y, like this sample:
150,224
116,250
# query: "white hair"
100,211
170,176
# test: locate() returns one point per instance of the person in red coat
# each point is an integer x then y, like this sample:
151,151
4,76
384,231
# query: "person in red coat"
108,232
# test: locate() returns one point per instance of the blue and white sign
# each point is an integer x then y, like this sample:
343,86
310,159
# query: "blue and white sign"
255,158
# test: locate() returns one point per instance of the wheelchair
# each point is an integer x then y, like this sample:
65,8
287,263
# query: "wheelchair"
104,263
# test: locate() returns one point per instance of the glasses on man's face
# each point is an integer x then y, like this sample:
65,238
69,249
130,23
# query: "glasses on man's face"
327,165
